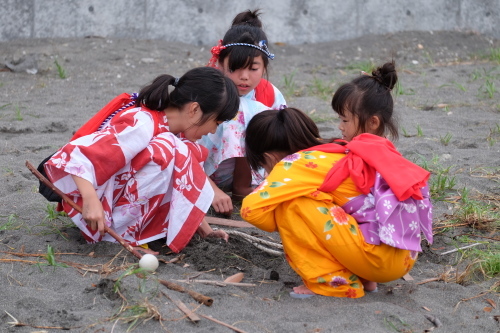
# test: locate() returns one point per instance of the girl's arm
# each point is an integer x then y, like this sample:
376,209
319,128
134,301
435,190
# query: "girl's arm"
92,211
205,230
222,202
242,178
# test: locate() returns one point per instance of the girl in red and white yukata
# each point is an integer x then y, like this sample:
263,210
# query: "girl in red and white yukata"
140,172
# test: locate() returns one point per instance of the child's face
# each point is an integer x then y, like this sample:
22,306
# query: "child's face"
349,126
245,79
187,121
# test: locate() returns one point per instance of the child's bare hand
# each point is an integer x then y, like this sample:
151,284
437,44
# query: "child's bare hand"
222,203
93,214
219,234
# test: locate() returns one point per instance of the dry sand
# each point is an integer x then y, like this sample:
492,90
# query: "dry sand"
443,86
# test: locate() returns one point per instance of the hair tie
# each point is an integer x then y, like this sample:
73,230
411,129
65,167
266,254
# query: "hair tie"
215,54
282,107
176,82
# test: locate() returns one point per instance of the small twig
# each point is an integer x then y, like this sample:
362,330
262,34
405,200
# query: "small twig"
17,323
228,223
219,283
236,329
191,315
195,295
468,299
437,323
461,248
254,239
495,239
257,242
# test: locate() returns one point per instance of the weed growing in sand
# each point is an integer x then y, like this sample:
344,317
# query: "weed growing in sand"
19,117
321,89
290,86
12,223
488,263
476,214
52,214
54,222
399,90
60,70
137,313
441,182
51,259
8,171
487,74
4,106
140,311
366,66
142,274
420,132
405,132
454,84
488,89
395,323
494,135
445,140
494,55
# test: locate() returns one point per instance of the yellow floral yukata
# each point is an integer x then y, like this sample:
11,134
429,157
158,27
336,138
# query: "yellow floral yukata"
322,243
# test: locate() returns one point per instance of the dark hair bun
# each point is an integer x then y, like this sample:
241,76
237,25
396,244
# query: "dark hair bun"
386,75
248,17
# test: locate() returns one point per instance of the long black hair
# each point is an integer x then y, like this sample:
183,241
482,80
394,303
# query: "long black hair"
216,94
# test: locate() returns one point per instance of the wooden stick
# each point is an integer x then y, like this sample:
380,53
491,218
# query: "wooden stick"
228,223
461,248
236,329
196,296
219,283
73,204
191,315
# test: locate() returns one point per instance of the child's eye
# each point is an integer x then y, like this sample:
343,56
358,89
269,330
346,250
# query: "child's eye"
254,69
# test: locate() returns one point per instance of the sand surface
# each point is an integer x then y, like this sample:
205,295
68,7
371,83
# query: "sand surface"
447,120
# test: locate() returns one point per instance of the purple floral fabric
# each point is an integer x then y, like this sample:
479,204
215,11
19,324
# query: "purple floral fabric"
382,218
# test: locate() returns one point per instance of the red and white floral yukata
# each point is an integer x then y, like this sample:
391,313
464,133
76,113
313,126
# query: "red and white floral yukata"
150,182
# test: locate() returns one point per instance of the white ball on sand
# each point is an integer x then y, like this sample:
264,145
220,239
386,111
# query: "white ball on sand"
149,262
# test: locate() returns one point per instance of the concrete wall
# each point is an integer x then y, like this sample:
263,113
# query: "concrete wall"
203,22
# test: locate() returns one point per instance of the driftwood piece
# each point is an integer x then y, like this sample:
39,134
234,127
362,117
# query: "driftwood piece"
219,283
200,298
191,315
236,329
228,223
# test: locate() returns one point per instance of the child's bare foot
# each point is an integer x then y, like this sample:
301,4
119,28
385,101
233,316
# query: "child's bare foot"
370,286
303,290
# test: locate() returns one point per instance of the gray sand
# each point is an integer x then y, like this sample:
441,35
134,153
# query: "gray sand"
442,91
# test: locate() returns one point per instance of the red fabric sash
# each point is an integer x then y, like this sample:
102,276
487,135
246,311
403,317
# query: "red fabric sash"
264,93
93,123
366,154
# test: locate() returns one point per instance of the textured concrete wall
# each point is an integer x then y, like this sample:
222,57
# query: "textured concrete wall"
203,22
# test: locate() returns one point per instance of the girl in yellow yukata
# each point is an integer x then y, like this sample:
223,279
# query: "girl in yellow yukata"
311,185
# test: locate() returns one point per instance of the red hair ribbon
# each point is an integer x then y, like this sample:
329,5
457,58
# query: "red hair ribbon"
215,54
